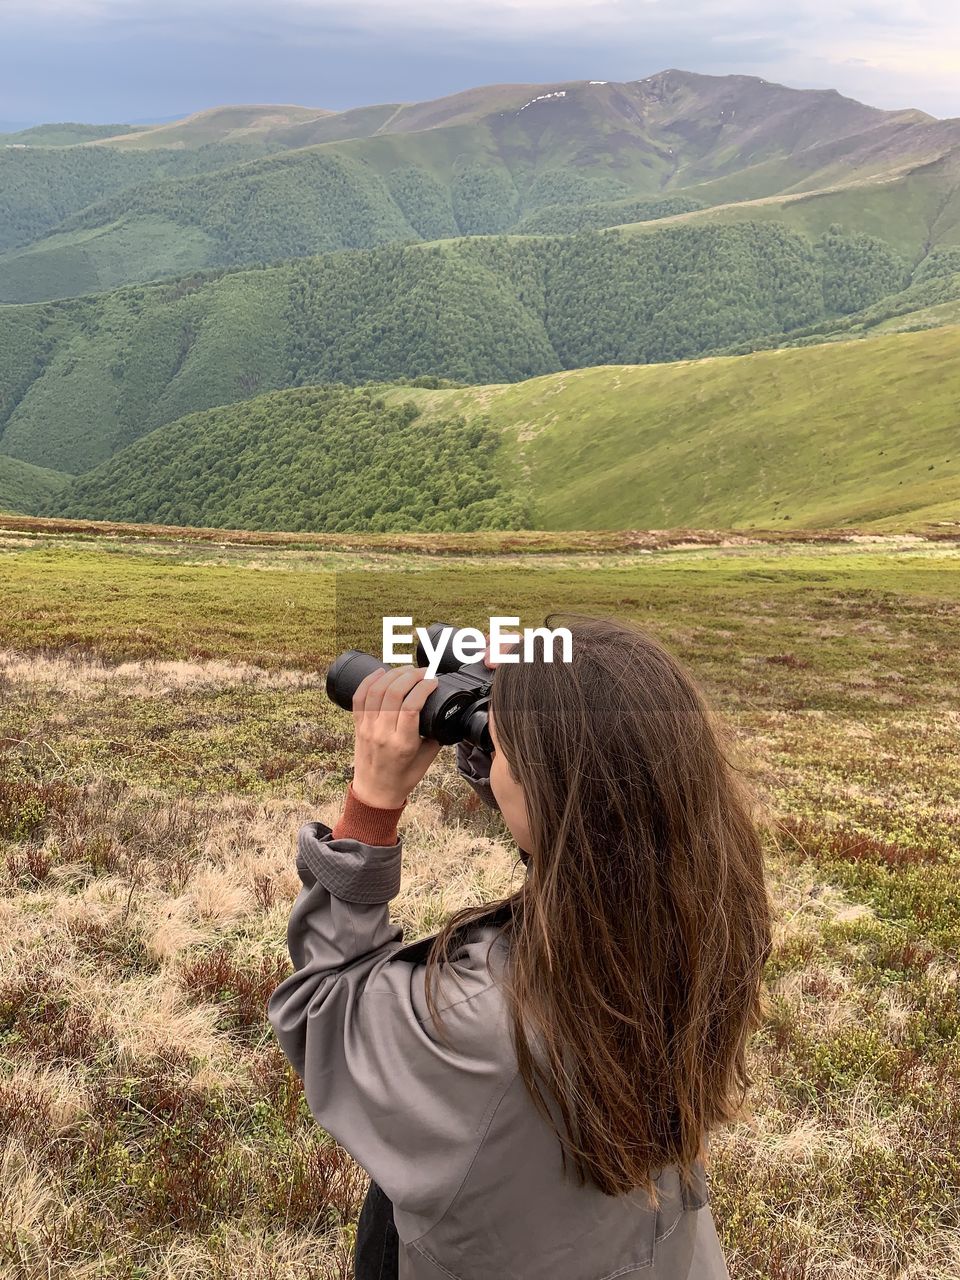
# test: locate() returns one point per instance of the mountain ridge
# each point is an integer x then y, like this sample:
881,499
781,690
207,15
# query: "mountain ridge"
253,113
234,186
464,105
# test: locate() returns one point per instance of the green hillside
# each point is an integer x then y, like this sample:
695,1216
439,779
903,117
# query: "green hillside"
64,135
322,458
914,212
852,433
359,194
41,187
79,380
245,185
229,124
848,433
25,488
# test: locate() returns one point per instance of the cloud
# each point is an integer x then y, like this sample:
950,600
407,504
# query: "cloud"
181,55
531,16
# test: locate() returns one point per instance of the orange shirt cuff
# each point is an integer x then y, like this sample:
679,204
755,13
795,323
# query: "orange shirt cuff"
365,822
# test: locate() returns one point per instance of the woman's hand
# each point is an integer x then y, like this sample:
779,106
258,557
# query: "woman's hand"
390,757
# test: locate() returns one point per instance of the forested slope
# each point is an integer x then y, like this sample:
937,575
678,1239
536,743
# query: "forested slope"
41,187
25,488
83,378
357,195
322,458
931,300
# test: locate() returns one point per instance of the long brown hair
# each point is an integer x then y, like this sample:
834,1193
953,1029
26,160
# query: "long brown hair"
638,939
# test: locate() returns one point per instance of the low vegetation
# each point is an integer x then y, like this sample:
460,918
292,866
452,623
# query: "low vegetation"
163,732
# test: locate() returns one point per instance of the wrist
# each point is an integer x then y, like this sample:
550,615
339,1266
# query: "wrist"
375,797
368,823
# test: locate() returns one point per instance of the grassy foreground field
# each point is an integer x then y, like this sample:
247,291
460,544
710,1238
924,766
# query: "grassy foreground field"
163,732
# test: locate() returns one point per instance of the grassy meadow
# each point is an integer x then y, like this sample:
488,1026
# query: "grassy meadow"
813,436
163,733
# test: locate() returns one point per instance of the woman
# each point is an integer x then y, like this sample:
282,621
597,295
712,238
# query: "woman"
531,1090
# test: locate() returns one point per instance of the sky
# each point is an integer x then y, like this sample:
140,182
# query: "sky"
111,61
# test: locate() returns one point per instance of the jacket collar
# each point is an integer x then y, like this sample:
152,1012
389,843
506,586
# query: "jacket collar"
416,952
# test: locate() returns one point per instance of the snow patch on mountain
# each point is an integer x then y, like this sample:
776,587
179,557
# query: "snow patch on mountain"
560,93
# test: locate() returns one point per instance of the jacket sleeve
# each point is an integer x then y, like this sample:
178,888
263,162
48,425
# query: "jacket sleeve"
473,763
410,1108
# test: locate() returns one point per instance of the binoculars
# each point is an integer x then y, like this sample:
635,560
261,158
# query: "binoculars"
456,711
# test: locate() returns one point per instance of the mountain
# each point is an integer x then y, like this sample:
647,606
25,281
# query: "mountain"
81,379
814,437
238,280
143,122
217,124
265,183
752,118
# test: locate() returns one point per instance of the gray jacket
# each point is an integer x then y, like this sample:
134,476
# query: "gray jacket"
450,1133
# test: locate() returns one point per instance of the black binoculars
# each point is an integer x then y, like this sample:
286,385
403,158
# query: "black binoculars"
456,711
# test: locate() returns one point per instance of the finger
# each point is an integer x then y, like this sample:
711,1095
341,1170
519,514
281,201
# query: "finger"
362,690
373,695
488,661
414,702
397,692
381,691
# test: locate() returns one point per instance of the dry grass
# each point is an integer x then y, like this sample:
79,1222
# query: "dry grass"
149,1126
83,676
431,544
